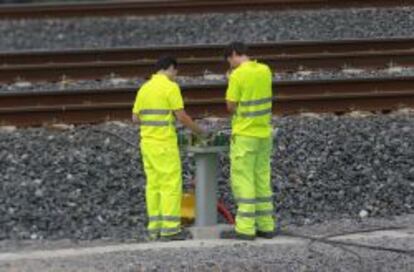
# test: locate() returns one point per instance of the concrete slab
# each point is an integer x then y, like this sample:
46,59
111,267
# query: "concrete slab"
209,232
196,244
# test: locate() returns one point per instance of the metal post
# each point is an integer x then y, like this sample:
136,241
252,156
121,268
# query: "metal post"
206,189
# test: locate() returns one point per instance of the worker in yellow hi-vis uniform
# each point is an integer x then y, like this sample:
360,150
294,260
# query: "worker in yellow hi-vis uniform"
157,104
249,100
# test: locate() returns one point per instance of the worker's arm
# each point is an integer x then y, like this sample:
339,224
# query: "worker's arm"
231,106
233,94
135,110
177,105
135,118
188,122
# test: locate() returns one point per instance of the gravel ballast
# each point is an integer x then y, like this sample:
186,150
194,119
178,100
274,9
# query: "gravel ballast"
83,183
206,28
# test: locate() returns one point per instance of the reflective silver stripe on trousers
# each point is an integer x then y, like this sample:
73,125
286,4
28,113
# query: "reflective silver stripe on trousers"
154,218
246,200
165,218
254,200
171,218
155,123
154,111
256,113
264,213
264,199
170,230
255,214
153,231
256,102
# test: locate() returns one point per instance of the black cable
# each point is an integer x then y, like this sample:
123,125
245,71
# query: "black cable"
345,243
358,231
364,231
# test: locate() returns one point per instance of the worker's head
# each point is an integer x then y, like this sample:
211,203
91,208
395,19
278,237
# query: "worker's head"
235,53
168,66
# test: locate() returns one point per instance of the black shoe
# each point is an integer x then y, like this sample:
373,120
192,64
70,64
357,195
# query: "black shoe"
265,234
237,236
180,236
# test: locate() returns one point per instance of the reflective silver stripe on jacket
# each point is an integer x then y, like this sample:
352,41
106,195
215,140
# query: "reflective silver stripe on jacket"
154,112
155,123
256,102
256,113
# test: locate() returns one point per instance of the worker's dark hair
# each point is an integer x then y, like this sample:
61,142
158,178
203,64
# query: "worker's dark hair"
237,47
165,62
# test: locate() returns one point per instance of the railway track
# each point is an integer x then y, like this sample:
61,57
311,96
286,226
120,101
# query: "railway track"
92,106
173,7
198,60
202,51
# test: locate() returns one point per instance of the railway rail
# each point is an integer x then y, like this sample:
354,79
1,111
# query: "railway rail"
198,60
202,51
173,7
92,106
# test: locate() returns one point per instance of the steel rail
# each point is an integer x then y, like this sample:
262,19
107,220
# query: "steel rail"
202,51
175,7
91,106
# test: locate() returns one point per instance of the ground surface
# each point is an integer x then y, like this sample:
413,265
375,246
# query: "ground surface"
284,253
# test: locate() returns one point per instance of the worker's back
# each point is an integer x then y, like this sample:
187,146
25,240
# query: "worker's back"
156,100
251,87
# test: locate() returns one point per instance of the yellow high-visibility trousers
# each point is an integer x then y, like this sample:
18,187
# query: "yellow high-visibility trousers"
163,192
251,184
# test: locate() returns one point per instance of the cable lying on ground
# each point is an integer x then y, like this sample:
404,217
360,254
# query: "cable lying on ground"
351,244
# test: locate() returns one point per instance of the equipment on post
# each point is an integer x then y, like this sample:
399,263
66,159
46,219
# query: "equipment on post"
219,138
203,204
